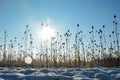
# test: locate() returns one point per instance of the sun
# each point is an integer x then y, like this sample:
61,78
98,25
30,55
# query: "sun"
47,33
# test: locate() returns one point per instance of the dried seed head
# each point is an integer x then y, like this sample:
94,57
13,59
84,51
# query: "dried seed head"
77,25
114,16
103,26
92,27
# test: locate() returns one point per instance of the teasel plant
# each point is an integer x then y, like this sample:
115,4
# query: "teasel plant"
78,41
1,50
31,47
75,51
117,51
20,55
113,41
26,34
52,41
111,44
83,49
56,50
76,47
67,45
116,33
4,60
105,45
60,51
67,50
64,59
10,52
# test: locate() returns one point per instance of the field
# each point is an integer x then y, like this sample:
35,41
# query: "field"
59,40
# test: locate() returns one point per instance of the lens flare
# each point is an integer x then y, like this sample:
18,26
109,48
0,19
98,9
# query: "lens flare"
28,60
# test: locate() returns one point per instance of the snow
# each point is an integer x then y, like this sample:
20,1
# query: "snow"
80,73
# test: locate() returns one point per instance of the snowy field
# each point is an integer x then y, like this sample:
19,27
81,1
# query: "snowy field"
97,73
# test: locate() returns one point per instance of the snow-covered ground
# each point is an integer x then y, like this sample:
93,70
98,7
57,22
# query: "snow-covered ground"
97,73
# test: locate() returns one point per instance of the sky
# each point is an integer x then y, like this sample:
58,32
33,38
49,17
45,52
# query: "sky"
61,14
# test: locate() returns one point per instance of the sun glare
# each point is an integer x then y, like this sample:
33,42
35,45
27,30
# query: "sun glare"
47,33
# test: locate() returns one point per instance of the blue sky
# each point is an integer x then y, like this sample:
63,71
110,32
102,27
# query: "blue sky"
62,14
